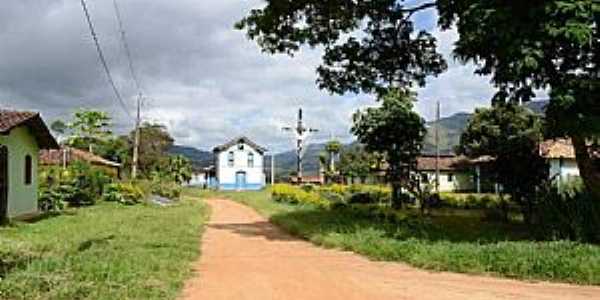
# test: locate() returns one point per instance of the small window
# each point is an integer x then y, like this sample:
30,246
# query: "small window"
250,160
425,177
28,170
231,159
241,147
450,177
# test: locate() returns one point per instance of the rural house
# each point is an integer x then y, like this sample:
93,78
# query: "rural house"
560,155
22,135
456,172
67,155
240,165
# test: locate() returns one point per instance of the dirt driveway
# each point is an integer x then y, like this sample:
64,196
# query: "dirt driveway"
245,257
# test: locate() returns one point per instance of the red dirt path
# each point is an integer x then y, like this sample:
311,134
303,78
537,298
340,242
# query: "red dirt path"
246,257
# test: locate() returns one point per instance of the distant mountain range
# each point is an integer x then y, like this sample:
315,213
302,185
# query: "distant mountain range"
450,128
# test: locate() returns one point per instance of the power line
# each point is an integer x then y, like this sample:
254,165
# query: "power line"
103,59
126,46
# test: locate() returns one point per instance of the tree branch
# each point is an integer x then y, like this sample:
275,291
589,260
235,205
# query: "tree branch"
424,6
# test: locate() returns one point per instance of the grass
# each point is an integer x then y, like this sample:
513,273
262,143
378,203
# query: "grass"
107,251
457,243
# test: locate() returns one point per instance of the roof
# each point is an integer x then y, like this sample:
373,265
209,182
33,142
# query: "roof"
446,163
55,157
10,120
238,140
559,148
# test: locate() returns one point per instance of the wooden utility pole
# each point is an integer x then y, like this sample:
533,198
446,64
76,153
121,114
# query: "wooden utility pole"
302,134
136,145
437,147
272,169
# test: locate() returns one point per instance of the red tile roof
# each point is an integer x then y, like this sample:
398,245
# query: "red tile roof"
55,157
10,120
559,148
446,163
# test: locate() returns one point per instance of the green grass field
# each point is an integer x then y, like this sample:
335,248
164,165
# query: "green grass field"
454,243
107,252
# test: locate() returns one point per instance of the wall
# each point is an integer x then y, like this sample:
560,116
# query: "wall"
22,199
568,171
462,181
255,176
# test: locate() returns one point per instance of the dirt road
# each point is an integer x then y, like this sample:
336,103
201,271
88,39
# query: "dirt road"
245,257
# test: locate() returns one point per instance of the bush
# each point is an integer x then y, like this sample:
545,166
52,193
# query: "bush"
470,201
170,190
78,185
294,195
124,193
571,214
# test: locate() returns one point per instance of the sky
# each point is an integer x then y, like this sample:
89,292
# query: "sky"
203,79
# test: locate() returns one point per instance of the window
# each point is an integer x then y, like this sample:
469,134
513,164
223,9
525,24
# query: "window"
450,177
425,177
28,170
231,159
241,147
250,160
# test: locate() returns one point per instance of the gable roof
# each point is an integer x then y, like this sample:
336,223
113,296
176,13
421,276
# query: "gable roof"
56,156
10,120
446,163
238,140
559,148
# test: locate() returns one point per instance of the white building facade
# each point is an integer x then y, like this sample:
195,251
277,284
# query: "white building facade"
240,165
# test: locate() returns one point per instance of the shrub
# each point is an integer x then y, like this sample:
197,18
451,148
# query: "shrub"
572,215
170,190
293,195
124,193
470,201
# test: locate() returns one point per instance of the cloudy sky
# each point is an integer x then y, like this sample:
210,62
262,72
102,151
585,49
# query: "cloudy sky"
204,80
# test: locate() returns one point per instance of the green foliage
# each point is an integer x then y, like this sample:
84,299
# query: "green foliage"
470,201
356,162
395,131
510,134
167,189
570,214
124,193
389,54
89,128
78,185
153,152
295,195
179,169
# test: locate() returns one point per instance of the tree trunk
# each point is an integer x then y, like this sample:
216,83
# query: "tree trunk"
396,199
588,166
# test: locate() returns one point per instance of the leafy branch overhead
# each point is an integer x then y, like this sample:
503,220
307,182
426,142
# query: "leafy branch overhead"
389,54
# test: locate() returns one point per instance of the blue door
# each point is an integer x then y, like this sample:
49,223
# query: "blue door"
240,181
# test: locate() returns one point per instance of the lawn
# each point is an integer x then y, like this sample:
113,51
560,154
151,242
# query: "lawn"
108,251
456,243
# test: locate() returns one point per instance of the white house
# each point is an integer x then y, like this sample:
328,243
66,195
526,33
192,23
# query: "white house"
240,165
560,155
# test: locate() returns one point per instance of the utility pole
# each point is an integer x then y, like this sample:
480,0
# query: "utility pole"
136,145
437,147
272,169
302,134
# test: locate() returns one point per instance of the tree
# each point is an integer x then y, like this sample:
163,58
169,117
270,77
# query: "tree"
542,44
154,148
395,130
179,169
390,54
333,148
511,135
89,128
356,162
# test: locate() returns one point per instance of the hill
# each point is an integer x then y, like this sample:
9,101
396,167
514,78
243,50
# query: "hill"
199,158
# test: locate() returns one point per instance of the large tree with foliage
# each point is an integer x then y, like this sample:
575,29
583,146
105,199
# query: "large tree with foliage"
154,147
524,45
397,132
356,162
510,134
86,130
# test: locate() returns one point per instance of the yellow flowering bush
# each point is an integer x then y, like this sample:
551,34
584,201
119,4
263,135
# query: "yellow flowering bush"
294,195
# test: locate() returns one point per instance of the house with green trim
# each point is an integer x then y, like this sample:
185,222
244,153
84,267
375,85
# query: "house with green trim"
22,136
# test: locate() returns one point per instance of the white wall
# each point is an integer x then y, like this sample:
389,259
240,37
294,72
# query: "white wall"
461,181
255,176
198,179
566,172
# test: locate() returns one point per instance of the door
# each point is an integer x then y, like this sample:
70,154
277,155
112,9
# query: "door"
240,181
3,183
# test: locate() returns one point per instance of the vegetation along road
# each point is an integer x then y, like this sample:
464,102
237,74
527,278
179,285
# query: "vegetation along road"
246,257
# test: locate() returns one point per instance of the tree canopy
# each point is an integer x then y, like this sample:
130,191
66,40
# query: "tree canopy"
397,132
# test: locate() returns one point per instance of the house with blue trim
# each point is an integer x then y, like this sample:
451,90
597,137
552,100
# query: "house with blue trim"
239,165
